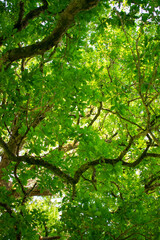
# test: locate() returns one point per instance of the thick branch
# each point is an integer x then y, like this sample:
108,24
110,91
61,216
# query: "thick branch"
156,155
40,162
36,161
21,13
7,150
65,21
57,171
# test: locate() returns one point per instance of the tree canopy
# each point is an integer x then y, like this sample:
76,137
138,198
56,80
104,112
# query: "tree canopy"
80,118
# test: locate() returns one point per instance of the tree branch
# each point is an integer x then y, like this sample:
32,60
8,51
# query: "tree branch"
118,189
18,180
150,186
123,153
86,166
8,209
21,13
97,115
32,192
23,23
121,117
31,15
156,155
64,22
7,150
139,159
40,162
37,162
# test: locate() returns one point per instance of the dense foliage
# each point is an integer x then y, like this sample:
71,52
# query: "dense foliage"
79,119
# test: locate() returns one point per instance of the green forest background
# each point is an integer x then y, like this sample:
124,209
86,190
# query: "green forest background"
79,119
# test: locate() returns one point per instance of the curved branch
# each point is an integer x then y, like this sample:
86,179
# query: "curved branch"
40,162
123,118
64,23
87,165
74,180
36,161
57,171
123,153
139,159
